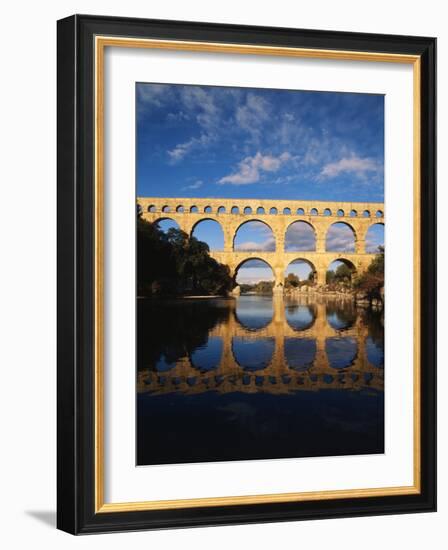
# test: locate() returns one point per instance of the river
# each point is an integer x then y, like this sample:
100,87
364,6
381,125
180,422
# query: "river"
258,377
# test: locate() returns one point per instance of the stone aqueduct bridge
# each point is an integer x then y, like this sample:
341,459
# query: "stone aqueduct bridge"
231,214
277,377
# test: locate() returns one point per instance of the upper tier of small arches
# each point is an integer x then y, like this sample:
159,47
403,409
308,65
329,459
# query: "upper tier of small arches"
262,210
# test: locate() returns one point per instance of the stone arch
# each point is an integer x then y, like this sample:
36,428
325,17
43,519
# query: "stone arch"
261,210
253,355
374,237
300,353
334,242
208,209
235,210
295,226
152,208
194,209
366,214
287,211
250,258
247,210
208,357
344,261
327,212
379,214
215,236
353,213
166,219
139,209
166,208
254,249
221,210
314,212
340,213
341,352
180,209
299,260
341,318
273,211
300,212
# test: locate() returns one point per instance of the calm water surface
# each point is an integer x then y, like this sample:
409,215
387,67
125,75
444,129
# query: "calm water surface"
258,377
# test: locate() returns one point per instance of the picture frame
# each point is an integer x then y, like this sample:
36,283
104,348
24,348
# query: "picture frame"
82,42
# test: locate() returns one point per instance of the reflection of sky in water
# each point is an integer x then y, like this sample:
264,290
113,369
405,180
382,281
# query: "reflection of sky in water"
254,312
163,365
208,357
300,352
337,321
251,354
375,352
299,317
341,351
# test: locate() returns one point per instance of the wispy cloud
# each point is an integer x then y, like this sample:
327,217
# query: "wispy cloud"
195,185
183,149
250,168
353,164
340,238
300,236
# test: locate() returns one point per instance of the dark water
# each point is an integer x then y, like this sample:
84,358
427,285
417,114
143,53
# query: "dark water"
258,377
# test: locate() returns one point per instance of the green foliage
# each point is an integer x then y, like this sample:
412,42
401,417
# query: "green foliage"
174,263
292,281
370,284
343,274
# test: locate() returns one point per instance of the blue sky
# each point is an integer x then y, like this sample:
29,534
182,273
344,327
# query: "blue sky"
199,141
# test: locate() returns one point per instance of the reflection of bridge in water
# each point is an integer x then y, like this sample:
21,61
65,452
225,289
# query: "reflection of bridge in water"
277,376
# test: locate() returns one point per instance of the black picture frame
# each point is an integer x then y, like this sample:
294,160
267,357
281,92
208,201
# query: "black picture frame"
76,511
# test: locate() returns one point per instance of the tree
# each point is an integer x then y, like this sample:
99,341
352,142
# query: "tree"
292,281
371,283
174,263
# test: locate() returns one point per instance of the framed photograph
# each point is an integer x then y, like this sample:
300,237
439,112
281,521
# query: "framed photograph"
246,274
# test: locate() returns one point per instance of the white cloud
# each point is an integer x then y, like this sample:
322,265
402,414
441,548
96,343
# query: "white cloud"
182,149
265,246
251,116
250,168
195,185
354,164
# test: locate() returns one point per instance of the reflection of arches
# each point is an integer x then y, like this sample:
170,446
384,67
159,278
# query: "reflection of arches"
340,317
300,353
300,316
300,236
375,352
253,355
254,312
341,237
211,233
341,352
254,226
208,357
374,237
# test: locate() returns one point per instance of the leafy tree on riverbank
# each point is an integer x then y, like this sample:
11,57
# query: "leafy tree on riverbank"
174,263
370,284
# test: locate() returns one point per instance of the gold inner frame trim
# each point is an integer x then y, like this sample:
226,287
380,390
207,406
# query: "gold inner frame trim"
101,42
